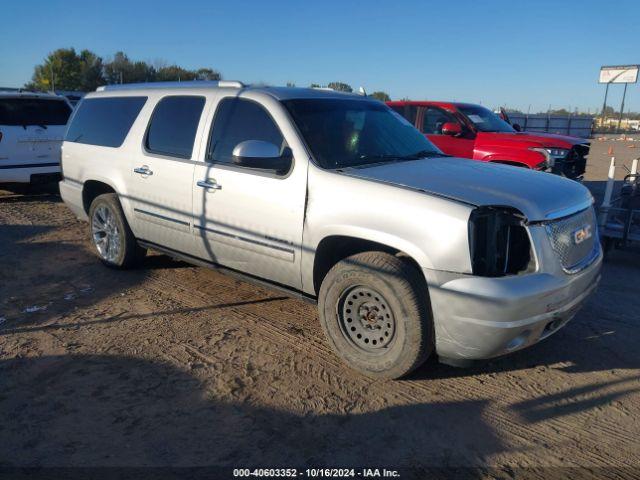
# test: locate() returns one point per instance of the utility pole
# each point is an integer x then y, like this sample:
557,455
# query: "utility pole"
604,105
622,106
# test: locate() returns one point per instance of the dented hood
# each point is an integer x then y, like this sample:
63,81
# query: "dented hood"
538,195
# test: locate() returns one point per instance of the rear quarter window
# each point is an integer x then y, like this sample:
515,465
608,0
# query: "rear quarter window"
104,121
23,111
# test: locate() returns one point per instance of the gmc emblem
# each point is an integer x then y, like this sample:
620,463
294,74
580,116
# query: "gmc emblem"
582,234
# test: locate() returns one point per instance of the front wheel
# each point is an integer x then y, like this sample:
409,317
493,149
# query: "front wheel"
110,233
374,311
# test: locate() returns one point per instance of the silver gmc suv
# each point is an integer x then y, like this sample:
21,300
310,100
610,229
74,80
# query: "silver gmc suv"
337,198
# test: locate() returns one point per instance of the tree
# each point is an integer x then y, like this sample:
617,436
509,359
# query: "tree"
315,85
208,74
64,69
91,69
340,87
174,73
60,70
122,70
382,96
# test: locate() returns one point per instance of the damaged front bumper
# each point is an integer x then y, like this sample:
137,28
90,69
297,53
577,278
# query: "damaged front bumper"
479,318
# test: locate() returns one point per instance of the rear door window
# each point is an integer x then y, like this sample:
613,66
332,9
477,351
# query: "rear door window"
26,111
409,112
104,121
173,126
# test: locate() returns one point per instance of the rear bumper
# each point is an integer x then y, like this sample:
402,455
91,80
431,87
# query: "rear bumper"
71,193
480,318
23,173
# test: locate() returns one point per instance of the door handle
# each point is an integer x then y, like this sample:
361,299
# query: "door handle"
209,185
143,170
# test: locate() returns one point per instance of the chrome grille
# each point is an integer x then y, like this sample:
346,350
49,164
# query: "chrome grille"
571,242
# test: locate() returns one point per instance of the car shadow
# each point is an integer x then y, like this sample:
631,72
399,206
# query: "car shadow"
101,410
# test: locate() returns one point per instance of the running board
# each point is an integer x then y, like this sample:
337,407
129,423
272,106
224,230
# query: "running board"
288,291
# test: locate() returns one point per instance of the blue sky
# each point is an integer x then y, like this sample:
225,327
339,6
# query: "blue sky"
512,53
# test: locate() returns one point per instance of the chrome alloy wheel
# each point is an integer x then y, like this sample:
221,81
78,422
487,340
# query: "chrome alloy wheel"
366,319
105,233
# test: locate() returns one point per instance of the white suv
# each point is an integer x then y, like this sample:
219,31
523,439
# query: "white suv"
337,198
32,127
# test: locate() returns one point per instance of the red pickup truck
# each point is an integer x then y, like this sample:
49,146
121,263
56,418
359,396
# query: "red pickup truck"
472,131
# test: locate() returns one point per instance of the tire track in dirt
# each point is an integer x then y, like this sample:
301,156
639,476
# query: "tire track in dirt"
271,320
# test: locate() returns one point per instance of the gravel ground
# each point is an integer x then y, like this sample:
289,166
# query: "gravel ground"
177,365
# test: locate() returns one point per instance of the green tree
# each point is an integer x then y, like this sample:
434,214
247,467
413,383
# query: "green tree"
340,87
173,73
382,96
91,69
122,70
208,74
315,85
67,70
61,70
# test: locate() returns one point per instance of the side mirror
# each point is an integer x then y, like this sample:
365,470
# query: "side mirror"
517,127
262,155
452,128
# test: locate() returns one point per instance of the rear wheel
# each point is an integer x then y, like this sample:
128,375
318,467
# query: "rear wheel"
111,235
374,311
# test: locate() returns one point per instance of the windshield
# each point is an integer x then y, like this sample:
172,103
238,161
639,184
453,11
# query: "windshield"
33,111
484,119
345,133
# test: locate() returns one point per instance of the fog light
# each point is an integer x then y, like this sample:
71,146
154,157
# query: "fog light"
519,340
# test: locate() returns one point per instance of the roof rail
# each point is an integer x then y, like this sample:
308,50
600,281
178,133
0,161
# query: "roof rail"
186,84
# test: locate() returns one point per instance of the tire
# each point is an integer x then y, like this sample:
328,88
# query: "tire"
375,313
118,247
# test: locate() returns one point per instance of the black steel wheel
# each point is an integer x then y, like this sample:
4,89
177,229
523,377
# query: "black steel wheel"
374,310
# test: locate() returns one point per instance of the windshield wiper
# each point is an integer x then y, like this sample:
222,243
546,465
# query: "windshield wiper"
424,154
389,158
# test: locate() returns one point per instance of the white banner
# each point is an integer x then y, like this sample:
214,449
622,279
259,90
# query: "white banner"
619,74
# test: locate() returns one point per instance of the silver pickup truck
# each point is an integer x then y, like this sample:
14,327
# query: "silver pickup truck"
408,252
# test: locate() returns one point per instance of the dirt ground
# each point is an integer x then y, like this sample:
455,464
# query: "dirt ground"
177,365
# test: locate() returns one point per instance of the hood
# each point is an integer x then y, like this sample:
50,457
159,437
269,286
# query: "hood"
537,195
529,139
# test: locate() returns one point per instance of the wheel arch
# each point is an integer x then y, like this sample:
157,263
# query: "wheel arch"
93,188
335,248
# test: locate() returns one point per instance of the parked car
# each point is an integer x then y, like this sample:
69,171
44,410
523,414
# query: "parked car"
32,127
334,197
471,131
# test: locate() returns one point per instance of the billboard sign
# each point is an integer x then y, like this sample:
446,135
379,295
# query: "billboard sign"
619,74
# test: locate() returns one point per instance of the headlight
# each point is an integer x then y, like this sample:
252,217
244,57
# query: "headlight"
557,153
551,154
499,242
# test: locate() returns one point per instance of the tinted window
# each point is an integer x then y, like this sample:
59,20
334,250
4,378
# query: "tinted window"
484,119
104,121
173,126
410,112
433,119
352,133
33,111
238,120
